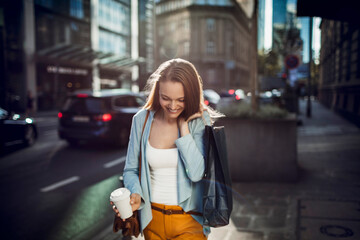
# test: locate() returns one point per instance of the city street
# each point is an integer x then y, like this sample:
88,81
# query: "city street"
54,191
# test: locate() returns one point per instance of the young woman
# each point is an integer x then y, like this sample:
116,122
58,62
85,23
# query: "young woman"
169,197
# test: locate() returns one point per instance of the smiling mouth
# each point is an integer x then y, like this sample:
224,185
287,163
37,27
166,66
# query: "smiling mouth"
173,111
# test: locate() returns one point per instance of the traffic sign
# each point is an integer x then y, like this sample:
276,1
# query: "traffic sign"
292,61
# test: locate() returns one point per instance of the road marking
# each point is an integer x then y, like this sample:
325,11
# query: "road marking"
60,184
50,132
115,162
47,124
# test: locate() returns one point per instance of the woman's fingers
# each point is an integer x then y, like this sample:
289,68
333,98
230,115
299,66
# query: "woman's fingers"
115,209
195,115
135,201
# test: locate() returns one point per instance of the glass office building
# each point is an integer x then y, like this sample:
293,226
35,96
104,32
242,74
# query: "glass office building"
55,47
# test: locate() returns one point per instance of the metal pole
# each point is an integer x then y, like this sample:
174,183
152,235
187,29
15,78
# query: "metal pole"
253,74
308,107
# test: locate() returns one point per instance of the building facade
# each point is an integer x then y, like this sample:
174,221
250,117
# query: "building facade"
146,40
214,35
54,47
339,83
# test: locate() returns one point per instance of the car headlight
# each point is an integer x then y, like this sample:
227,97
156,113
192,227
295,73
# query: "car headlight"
16,117
28,120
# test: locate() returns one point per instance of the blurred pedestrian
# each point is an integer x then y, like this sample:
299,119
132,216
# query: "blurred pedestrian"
169,193
29,104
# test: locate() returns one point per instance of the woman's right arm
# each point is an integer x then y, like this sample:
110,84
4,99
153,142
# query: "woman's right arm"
131,170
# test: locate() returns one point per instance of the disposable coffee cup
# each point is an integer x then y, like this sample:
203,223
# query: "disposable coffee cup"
121,198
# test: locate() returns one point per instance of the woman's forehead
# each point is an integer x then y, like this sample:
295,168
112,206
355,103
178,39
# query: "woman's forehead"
172,89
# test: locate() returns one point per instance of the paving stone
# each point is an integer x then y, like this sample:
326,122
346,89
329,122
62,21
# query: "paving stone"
269,222
246,235
328,229
277,236
257,210
274,202
241,222
280,212
330,209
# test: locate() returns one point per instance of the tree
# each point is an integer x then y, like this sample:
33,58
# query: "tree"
269,64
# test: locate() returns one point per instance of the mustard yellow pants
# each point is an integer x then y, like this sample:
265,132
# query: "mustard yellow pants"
173,226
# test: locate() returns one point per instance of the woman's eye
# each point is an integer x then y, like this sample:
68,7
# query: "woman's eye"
182,100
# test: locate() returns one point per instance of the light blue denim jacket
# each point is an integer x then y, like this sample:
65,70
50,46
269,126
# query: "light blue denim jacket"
190,171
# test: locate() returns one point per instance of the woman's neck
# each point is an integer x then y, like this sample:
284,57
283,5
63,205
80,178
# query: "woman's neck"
162,117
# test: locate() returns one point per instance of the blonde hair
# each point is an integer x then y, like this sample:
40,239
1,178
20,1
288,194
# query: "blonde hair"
184,72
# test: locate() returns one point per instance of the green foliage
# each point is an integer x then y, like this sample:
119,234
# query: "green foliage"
268,63
271,111
243,110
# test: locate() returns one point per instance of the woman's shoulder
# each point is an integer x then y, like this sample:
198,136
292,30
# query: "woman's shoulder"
207,117
141,114
201,121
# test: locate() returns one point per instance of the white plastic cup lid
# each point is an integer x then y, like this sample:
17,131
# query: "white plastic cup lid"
119,194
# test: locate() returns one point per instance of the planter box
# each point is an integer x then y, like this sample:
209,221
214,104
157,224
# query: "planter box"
261,150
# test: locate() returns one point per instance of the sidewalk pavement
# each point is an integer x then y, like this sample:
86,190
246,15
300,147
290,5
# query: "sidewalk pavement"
323,204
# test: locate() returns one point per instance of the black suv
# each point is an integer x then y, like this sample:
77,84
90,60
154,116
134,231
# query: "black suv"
99,116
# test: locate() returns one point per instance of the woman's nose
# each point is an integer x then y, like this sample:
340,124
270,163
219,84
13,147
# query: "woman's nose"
172,104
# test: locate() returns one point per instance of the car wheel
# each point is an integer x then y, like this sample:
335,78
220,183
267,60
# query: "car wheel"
123,137
30,136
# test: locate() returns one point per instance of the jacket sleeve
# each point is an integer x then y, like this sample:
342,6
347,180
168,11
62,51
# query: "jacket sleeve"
192,149
131,170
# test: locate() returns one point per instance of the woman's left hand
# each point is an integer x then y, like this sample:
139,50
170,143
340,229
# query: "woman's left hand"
135,201
183,124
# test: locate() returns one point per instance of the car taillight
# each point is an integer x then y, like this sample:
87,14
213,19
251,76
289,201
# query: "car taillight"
60,115
206,102
238,97
104,117
82,95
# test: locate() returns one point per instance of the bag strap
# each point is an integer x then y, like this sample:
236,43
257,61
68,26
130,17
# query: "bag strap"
147,116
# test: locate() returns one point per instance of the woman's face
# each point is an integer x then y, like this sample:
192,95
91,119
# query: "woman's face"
171,98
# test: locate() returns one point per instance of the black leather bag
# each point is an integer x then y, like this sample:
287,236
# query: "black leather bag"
217,198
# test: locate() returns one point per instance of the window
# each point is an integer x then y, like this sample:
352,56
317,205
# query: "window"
45,3
112,42
211,76
186,48
210,22
90,105
187,24
161,30
114,16
76,8
128,101
210,47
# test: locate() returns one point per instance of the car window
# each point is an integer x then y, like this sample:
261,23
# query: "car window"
89,105
140,101
211,95
128,101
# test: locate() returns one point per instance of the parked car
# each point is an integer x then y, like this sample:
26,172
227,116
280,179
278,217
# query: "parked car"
211,98
232,96
103,116
16,129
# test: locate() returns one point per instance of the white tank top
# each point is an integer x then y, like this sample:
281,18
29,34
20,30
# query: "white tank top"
163,171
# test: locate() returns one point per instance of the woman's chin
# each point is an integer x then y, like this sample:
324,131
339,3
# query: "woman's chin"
171,114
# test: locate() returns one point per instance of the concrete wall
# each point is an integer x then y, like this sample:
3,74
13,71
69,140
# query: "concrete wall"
261,150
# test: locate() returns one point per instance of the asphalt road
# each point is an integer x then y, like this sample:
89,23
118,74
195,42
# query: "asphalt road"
53,191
